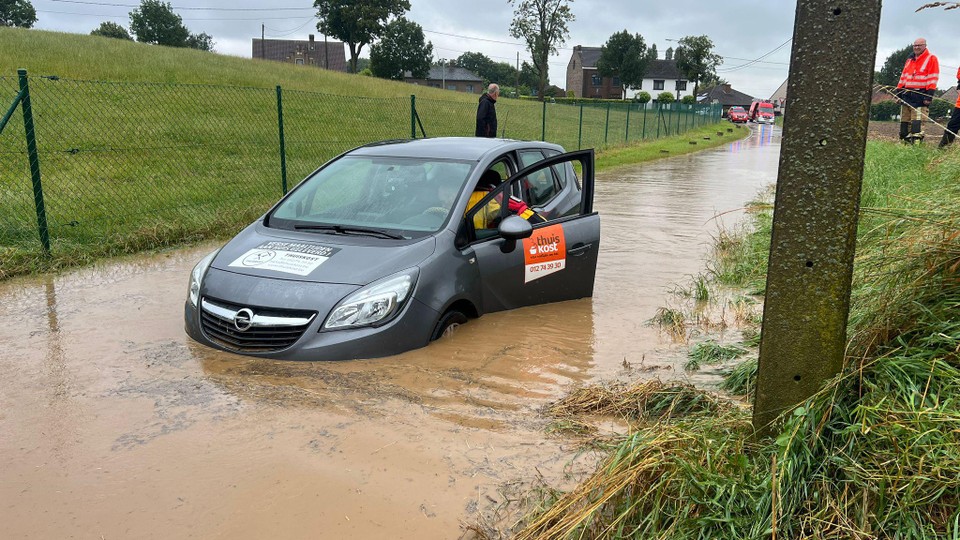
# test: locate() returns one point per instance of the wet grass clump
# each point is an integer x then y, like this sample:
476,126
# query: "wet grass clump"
874,454
711,353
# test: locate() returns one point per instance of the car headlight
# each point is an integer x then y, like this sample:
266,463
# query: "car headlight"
196,277
374,304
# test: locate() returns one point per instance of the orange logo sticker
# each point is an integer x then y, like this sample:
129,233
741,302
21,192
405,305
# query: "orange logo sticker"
544,253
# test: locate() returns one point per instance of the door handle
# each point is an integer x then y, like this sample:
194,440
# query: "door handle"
580,250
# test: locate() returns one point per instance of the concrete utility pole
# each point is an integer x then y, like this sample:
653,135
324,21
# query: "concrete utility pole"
817,202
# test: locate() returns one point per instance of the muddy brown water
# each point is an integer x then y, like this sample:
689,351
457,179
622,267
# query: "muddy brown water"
113,424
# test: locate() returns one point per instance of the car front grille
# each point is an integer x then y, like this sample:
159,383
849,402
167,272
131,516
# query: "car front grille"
267,329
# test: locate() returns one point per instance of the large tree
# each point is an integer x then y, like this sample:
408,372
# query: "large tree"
202,41
542,24
402,48
357,22
625,56
155,22
17,13
892,67
501,73
111,30
696,60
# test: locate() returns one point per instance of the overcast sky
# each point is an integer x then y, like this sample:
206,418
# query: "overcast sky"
741,30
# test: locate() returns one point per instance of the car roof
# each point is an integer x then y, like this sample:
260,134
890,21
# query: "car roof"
459,148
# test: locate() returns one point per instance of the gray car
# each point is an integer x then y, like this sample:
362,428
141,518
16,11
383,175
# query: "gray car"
390,246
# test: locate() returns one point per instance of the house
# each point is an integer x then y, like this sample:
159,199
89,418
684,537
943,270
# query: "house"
779,98
726,96
450,78
328,55
584,80
664,76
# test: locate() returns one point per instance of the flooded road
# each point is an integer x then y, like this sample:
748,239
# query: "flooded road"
113,424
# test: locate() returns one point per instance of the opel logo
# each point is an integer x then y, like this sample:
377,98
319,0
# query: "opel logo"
243,320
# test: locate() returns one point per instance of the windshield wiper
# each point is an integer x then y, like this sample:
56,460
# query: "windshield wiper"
340,229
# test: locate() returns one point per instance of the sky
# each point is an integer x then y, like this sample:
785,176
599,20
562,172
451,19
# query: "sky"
741,30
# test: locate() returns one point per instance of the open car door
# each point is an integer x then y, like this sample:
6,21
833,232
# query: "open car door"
557,261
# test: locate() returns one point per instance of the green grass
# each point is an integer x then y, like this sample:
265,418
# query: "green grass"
708,353
874,454
144,147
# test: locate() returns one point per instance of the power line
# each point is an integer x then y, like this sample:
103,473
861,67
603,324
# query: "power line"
756,60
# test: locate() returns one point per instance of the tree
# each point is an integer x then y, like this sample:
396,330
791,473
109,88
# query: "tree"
202,41
357,22
155,22
543,25
402,48
18,13
111,30
666,97
893,66
643,97
624,56
689,100
696,60
480,64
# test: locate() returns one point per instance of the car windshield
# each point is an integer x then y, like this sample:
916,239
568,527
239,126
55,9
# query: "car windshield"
375,196
766,107
736,109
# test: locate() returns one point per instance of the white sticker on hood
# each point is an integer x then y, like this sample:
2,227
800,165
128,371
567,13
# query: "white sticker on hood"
287,257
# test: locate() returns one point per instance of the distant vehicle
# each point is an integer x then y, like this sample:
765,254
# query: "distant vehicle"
737,115
761,112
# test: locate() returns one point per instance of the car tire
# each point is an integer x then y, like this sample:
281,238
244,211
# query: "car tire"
447,324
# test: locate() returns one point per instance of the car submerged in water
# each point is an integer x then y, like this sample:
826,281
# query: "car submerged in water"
388,247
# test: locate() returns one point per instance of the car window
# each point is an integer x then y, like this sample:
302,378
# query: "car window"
407,196
538,188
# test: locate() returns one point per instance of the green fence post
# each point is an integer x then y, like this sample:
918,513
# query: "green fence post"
413,116
626,136
659,117
606,127
283,147
643,128
679,109
34,156
543,129
580,131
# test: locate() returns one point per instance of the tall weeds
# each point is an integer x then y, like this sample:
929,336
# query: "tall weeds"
874,454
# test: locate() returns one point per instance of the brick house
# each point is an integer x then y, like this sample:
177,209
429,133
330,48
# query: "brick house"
450,78
584,80
323,54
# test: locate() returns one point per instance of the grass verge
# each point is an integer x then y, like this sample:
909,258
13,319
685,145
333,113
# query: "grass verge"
874,454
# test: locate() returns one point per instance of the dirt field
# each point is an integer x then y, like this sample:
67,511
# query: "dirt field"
890,131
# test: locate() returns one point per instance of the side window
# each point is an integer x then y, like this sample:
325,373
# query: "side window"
541,186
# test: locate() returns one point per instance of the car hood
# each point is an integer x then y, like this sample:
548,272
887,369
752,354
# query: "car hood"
320,258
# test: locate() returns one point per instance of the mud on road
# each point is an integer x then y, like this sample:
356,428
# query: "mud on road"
113,424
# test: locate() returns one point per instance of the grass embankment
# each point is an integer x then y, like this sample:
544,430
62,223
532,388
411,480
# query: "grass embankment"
875,454
182,145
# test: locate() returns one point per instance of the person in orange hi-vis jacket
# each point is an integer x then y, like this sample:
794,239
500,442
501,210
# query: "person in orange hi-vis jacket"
918,82
953,127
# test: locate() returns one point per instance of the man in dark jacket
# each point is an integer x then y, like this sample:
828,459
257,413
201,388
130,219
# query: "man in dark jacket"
487,112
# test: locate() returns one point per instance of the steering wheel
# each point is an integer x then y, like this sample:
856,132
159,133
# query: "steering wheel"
431,217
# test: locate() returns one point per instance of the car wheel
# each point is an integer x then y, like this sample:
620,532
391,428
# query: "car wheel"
447,324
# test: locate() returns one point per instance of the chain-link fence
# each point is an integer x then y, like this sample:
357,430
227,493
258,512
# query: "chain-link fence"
110,168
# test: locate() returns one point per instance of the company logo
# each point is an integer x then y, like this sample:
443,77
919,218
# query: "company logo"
243,320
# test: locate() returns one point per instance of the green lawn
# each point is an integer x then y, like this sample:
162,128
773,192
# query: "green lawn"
143,146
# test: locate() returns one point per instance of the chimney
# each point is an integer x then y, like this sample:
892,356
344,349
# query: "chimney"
311,38
726,89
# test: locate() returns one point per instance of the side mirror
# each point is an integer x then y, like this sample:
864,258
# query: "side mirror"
511,229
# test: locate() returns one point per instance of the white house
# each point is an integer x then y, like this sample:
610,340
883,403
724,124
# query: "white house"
663,76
